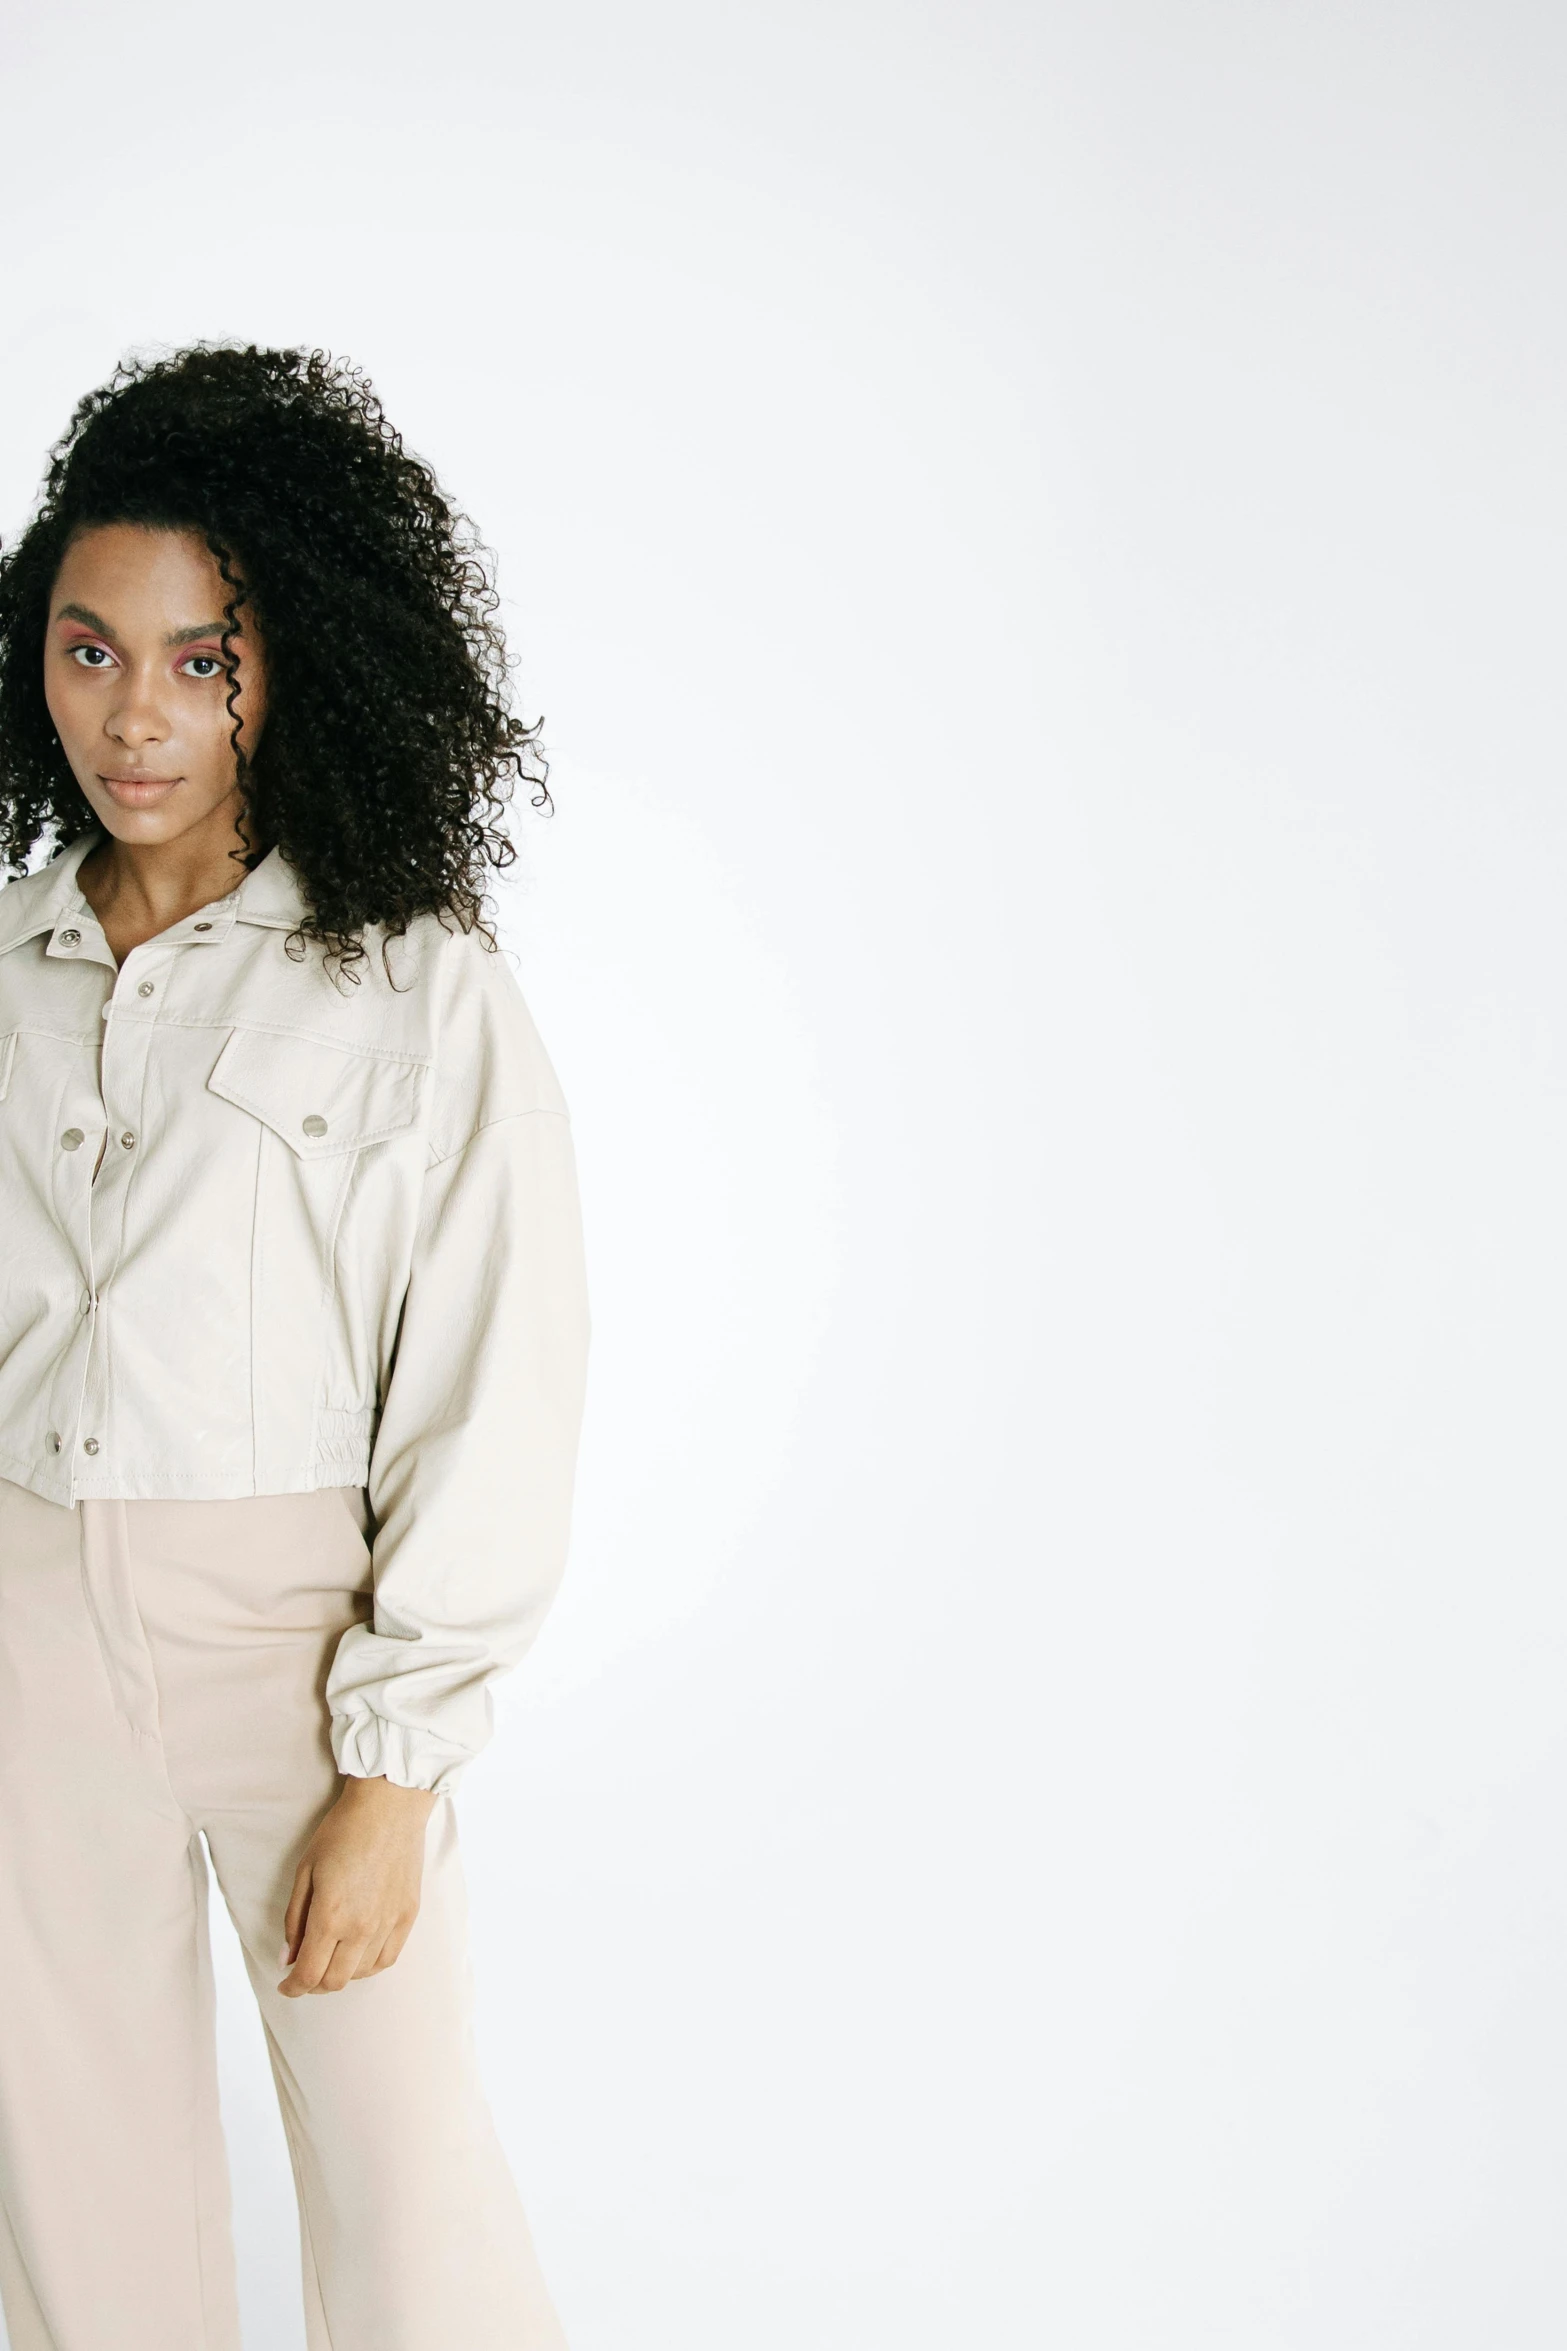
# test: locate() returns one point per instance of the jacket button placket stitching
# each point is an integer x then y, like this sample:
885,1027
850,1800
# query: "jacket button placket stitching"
106,1209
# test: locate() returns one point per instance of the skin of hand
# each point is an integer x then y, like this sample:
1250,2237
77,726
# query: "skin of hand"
136,685
356,1890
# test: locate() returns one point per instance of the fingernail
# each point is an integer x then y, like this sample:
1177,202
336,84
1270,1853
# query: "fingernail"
282,1957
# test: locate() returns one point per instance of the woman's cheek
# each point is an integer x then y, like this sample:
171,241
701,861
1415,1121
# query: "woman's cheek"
72,724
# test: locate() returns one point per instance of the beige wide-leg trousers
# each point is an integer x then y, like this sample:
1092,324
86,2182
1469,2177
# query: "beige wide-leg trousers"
161,1676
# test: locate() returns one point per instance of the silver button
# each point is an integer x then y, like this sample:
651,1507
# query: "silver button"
145,989
89,1444
70,938
88,1303
54,1440
203,926
127,1141
73,1138
315,1124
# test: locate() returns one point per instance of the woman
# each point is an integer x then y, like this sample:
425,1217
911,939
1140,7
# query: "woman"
292,1336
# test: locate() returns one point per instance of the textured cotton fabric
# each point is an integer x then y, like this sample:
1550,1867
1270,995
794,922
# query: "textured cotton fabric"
269,1229
161,1672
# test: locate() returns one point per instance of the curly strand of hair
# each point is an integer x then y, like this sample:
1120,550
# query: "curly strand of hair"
245,857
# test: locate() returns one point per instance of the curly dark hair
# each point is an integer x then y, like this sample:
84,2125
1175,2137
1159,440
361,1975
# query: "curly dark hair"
389,751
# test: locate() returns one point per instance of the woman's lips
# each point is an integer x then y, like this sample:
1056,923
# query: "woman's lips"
138,791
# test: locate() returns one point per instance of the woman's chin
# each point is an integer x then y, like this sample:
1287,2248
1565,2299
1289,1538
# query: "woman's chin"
150,816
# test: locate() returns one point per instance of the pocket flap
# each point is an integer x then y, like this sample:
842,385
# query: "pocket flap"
318,1099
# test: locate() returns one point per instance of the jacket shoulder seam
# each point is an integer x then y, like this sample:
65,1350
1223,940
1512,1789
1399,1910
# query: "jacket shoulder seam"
510,1118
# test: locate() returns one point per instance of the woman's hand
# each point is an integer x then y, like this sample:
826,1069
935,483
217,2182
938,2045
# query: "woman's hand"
356,1891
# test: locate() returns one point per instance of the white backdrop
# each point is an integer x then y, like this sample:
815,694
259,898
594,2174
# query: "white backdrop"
1038,535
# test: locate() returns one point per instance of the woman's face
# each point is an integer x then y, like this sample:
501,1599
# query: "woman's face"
134,678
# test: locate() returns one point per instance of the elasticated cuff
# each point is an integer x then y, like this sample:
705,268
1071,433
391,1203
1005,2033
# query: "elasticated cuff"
370,1747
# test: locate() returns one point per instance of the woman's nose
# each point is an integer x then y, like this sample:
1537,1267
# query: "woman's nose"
136,722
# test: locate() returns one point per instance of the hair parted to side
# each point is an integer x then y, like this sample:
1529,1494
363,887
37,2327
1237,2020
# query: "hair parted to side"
389,752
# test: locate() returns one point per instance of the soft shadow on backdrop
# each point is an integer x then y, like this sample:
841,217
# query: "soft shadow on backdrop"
1037,532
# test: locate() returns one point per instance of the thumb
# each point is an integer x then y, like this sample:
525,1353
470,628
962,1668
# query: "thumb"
295,1915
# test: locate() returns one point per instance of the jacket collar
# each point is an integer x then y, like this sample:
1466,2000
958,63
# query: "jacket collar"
42,901
51,900
270,895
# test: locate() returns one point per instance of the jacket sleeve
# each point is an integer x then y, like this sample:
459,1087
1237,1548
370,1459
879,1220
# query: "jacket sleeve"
471,1471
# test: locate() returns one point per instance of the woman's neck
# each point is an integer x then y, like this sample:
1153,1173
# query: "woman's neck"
139,889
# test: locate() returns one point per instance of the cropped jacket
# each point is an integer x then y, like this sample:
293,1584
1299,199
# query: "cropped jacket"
268,1225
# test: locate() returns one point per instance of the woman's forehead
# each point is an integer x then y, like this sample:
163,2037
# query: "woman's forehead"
130,574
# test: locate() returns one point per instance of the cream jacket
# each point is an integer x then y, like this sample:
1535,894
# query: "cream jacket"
263,1230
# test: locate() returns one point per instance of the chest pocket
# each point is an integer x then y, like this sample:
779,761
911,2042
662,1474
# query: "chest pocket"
321,1100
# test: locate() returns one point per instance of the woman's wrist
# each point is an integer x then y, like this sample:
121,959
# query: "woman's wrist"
381,1793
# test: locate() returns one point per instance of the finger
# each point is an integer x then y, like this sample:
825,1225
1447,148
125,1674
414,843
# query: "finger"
314,1957
342,1965
392,1947
294,1915
371,1961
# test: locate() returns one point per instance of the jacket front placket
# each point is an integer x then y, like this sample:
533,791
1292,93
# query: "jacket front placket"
74,1148
124,1055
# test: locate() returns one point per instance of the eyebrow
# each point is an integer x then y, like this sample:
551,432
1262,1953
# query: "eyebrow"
91,620
211,628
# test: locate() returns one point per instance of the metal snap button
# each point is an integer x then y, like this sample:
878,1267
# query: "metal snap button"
89,1444
127,1141
145,989
203,926
315,1124
54,1440
70,938
88,1303
72,1139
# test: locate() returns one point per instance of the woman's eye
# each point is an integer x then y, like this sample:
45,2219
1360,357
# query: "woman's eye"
91,656
203,665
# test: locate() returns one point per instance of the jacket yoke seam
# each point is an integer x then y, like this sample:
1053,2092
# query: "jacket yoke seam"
286,1030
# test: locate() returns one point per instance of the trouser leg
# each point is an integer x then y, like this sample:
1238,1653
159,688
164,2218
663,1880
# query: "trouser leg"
412,2224
413,2233
114,2234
